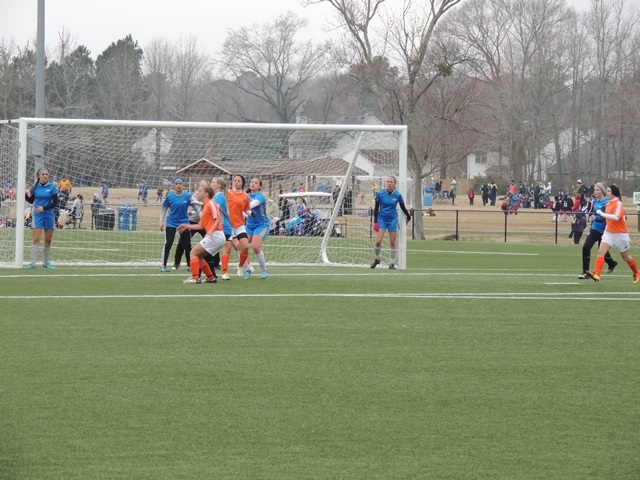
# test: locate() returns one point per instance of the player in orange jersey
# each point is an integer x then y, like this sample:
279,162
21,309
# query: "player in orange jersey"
213,241
239,206
615,235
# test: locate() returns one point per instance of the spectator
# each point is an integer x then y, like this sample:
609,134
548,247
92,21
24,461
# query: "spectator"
578,225
96,206
143,191
454,190
493,193
65,189
105,191
471,194
484,192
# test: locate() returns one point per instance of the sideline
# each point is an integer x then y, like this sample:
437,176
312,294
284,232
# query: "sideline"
611,296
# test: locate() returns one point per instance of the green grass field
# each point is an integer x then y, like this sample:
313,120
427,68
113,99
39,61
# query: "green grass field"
481,361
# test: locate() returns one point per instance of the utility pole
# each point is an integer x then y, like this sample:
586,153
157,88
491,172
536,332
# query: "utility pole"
37,144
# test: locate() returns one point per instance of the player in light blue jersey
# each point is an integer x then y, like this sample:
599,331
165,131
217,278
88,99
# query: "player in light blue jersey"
257,224
385,217
177,204
44,197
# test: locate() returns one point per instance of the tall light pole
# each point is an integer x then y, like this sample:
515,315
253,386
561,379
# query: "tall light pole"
38,139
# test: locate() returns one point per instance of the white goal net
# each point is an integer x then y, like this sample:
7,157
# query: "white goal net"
124,169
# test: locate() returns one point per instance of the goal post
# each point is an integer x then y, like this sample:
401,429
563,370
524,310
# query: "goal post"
335,169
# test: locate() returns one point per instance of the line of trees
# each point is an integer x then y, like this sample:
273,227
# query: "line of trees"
466,76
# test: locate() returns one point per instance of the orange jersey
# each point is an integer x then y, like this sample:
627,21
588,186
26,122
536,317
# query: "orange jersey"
236,204
210,213
615,207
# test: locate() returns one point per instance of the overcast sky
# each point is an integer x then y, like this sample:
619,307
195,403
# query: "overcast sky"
98,23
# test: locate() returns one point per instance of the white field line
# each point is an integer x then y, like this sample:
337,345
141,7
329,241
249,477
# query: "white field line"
618,296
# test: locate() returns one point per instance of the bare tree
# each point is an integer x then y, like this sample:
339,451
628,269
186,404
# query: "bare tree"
396,59
190,74
267,63
610,25
158,61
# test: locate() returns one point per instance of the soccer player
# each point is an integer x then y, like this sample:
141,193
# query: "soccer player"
44,197
239,205
257,225
177,204
385,218
213,241
595,233
219,187
615,235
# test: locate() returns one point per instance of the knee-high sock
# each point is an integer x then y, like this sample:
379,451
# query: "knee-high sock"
599,265
225,263
633,266
46,253
195,267
261,261
376,252
34,254
393,253
204,266
243,258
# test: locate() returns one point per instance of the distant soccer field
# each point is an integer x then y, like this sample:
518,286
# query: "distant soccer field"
482,360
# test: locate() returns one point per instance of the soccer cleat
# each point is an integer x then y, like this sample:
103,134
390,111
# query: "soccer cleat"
375,263
48,265
175,267
29,265
593,276
584,276
264,275
611,269
211,280
247,274
225,276
636,277
164,269
192,280
392,266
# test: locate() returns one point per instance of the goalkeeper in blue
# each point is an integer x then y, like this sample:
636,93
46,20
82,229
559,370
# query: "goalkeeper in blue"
385,218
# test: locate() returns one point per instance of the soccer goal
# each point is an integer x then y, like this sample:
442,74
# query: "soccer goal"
123,170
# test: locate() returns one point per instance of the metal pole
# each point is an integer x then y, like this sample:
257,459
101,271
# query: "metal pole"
37,145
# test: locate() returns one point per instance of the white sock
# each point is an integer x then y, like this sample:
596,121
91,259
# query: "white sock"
261,261
377,251
46,252
393,253
34,254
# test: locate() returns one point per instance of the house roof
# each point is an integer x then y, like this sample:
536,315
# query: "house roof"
224,167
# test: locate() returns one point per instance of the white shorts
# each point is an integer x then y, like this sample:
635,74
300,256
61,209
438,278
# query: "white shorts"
619,240
238,230
213,243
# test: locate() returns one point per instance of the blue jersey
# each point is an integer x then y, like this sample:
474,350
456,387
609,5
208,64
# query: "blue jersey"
388,205
43,195
221,200
261,219
178,208
599,223
144,189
